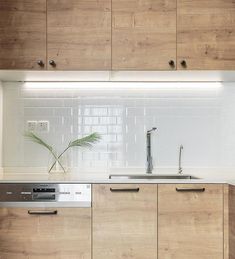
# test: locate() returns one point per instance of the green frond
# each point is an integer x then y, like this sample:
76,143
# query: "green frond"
36,139
85,141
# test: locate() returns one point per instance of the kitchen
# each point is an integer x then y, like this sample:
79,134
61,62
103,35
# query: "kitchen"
117,130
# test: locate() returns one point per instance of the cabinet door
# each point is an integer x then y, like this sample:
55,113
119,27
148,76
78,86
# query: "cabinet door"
66,234
79,34
143,34
190,221
22,34
231,221
125,221
206,34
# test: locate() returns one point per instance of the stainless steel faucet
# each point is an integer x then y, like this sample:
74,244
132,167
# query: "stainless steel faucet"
180,170
149,152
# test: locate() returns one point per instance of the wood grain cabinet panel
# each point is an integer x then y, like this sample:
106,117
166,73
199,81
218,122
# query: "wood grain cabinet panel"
124,222
143,34
190,223
22,34
79,34
231,246
206,34
66,235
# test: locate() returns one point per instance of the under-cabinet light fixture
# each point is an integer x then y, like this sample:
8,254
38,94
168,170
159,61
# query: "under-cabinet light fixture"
134,86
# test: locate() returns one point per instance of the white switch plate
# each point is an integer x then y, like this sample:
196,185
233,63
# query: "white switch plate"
32,125
43,126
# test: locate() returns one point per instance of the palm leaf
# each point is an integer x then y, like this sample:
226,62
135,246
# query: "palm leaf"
82,142
85,141
36,139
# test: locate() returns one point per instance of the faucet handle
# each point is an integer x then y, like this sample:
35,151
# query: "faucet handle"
180,170
153,129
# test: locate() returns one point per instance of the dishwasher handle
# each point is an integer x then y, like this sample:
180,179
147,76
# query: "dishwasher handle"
42,212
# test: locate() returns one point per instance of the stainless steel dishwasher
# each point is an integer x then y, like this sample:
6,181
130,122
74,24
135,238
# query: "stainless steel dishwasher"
45,221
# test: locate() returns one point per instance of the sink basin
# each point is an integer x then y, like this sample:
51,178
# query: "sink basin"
152,176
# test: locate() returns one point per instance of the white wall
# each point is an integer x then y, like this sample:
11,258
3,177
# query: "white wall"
199,116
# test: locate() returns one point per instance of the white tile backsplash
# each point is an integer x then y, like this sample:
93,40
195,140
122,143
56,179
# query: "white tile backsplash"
203,120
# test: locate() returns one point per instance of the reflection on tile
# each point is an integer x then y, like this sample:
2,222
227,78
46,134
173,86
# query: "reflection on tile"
203,121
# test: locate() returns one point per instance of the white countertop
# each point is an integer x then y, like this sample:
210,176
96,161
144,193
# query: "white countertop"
205,176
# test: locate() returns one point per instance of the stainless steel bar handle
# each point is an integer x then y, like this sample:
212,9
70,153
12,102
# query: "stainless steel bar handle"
124,189
42,212
190,189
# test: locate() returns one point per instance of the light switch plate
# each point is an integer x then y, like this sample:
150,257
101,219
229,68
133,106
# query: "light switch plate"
43,126
32,125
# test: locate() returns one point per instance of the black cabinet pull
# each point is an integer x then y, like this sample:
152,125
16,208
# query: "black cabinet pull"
124,189
183,63
52,63
42,212
172,63
190,189
40,63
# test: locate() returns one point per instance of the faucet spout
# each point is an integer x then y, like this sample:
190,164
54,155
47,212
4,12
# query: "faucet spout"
149,151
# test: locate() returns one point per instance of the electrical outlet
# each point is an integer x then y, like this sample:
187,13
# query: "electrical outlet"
32,125
43,126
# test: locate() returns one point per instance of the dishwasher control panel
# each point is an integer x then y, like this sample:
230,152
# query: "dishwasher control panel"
42,192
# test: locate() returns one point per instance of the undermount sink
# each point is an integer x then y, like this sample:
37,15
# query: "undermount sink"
152,176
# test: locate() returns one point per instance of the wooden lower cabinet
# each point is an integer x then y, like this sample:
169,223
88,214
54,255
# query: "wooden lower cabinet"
66,235
190,221
124,221
231,202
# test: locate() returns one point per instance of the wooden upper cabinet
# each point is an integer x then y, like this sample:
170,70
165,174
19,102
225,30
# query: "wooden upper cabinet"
143,34
124,221
206,34
22,34
79,34
190,221
117,34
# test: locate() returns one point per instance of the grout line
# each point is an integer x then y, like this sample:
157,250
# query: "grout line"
157,221
223,205
92,221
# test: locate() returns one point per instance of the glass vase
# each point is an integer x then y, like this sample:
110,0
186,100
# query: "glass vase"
58,164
